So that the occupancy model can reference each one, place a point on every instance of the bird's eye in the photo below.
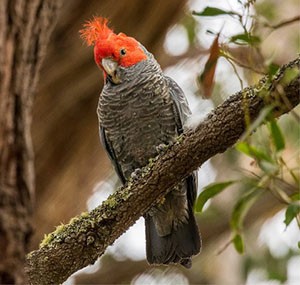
(122, 51)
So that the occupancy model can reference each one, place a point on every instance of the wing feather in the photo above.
(182, 110)
(182, 113)
(110, 151)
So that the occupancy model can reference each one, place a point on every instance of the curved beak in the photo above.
(110, 66)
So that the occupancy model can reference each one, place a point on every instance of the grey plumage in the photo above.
(145, 110)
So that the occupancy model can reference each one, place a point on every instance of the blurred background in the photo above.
(74, 173)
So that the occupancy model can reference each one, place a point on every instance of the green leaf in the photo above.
(291, 212)
(238, 243)
(244, 39)
(190, 24)
(210, 191)
(273, 68)
(299, 244)
(277, 136)
(212, 11)
(253, 152)
(241, 208)
(295, 197)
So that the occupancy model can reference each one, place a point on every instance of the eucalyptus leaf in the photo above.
(190, 25)
(246, 38)
(291, 212)
(277, 136)
(273, 69)
(238, 243)
(242, 207)
(209, 192)
(253, 151)
(212, 11)
(295, 197)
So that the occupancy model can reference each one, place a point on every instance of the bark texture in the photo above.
(86, 237)
(25, 27)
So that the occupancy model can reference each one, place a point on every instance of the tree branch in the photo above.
(75, 245)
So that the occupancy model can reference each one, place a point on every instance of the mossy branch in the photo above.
(81, 242)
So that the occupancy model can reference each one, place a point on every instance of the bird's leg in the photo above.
(161, 148)
(136, 174)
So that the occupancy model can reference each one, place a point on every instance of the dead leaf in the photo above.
(206, 78)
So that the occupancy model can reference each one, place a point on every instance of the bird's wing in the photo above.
(110, 151)
(182, 113)
(181, 106)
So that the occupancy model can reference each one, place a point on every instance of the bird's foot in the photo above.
(136, 173)
(161, 148)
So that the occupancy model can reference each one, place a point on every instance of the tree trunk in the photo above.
(25, 27)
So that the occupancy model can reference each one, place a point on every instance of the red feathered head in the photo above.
(124, 50)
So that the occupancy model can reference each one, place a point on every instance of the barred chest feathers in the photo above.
(137, 115)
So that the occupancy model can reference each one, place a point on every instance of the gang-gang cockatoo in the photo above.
(140, 109)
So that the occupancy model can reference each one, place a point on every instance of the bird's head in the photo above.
(111, 51)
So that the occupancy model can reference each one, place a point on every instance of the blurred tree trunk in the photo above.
(25, 27)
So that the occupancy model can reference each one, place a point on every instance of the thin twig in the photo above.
(236, 73)
(240, 64)
(284, 23)
(290, 171)
(224, 247)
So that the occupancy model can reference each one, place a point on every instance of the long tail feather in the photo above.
(176, 247)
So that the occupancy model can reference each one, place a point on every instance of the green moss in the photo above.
(110, 202)
(48, 238)
(74, 220)
(30, 255)
(77, 225)
(126, 194)
(60, 232)
(59, 229)
(85, 214)
(180, 138)
(151, 161)
(56, 235)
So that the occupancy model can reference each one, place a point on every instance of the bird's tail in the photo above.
(176, 247)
